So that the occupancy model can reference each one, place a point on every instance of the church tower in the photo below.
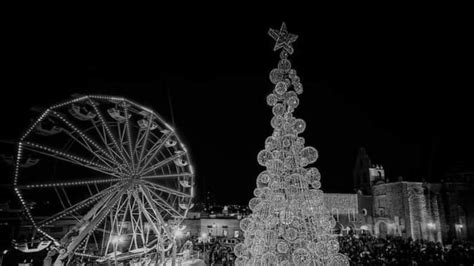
(366, 174)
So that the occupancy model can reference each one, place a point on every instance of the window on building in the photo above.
(209, 229)
(381, 212)
(224, 230)
(352, 215)
(364, 211)
(335, 213)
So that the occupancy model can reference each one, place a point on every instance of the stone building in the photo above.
(440, 211)
(408, 209)
(222, 226)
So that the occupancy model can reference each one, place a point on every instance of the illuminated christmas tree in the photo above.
(289, 224)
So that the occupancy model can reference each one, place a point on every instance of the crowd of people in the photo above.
(213, 250)
(365, 249)
(362, 249)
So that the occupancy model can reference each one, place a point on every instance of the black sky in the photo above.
(396, 84)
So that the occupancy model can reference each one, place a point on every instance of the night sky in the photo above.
(395, 84)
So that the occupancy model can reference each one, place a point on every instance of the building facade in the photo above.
(439, 212)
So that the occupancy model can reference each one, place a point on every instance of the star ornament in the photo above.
(283, 39)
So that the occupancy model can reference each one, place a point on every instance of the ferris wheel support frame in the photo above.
(92, 224)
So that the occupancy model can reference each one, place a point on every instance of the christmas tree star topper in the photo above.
(283, 39)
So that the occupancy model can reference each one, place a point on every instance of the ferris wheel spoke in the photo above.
(103, 230)
(101, 158)
(122, 205)
(129, 138)
(66, 196)
(84, 244)
(140, 226)
(105, 160)
(156, 213)
(109, 132)
(87, 141)
(99, 206)
(167, 176)
(138, 140)
(60, 198)
(166, 206)
(122, 144)
(94, 222)
(146, 171)
(153, 151)
(167, 190)
(103, 203)
(109, 236)
(104, 233)
(70, 183)
(78, 206)
(96, 242)
(115, 213)
(89, 189)
(136, 226)
(69, 158)
(145, 140)
(119, 133)
(103, 137)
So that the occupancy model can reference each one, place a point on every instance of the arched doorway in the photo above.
(383, 229)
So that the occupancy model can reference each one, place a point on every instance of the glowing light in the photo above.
(431, 225)
(178, 234)
(117, 239)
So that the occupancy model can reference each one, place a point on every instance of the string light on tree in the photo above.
(289, 224)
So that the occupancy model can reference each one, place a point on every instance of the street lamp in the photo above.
(3, 255)
(214, 225)
(115, 241)
(177, 233)
(458, 230)
(431, 225)
(204, 241)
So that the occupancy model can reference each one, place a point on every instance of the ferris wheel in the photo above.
(109, 167)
